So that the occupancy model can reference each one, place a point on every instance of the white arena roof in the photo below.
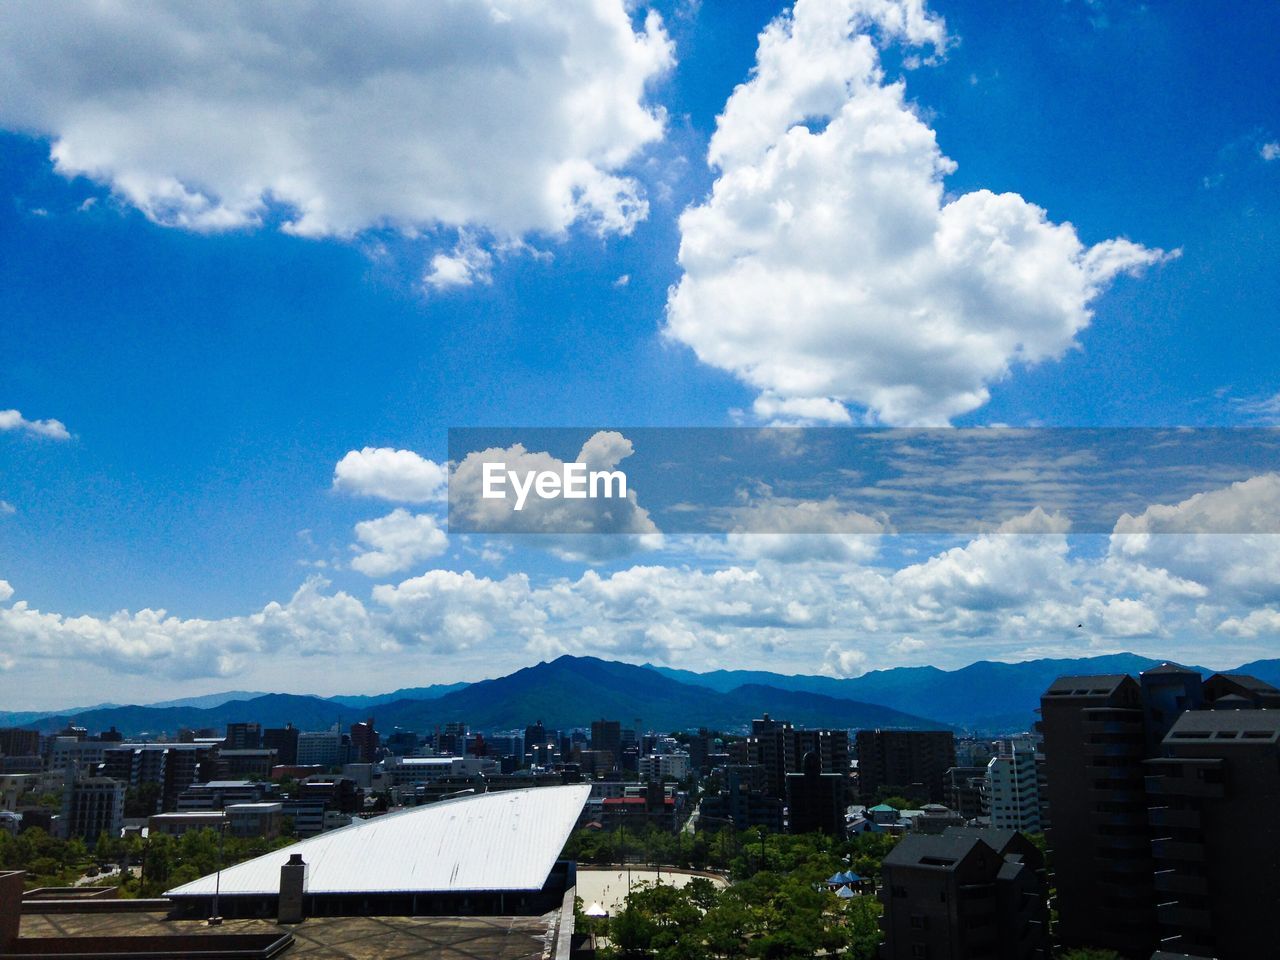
(507, 840)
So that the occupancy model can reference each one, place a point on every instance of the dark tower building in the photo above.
(1215, 837)
(915, 761)
(815, 800)
(1094, 745)
(243, 736)
(607, 735)
(284, 741)
(364, 742)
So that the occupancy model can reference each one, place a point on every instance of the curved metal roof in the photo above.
(507, 840)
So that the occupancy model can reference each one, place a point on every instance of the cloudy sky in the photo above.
(255, 261)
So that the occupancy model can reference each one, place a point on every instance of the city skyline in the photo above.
(245, 296)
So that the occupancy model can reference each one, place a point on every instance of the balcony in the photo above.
(1175, 882)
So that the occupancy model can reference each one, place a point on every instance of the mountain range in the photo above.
(569, 692)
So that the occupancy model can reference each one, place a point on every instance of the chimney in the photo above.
(293, 878)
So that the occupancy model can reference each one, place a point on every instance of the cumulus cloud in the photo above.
(1226, 536)
(48, 429)
(1270, 151)
(829, 267)
(6, 591)
(594, 528)
(468, 263)
(803, 531)
(397, 475)
(510, 117)
(396, 542)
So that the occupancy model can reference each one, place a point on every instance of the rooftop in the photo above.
(333, 938)
(489, 842)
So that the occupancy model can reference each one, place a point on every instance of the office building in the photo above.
(243, 736)
(323, 748)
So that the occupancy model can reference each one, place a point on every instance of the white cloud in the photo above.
(468, 264)
(396, 542)
(829, 267)
(843, 662)
(510, 116)
(397, 475)
(593, 528)
(1264, 622)
(7, 509)
(50, 429)
(1226, 537)
(1270, 151)
(6, 591)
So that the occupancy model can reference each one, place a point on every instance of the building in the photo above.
(364, 742)
(176, 824)
(664, 766)
(830, 746)
(243, 736)
(172, 767)
(656, 808)
(815, 800)
(772, 745)
(322, 748)
(1012, 791)
(219, 794)
(740, 804)
(1212, 799)
(966, 894)
(284, 741)
(255, 819)
(454, 857)
(16, 742)
(92, 806)
(240, 764)
(963, 789)
(1094, 745)
(914, 762)
(606, 735)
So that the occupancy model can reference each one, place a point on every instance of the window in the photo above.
(918, 922)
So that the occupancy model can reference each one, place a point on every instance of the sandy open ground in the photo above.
(608, 885)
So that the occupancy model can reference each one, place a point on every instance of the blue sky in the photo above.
(214, 354)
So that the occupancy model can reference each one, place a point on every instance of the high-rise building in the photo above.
(830, 746)
(965, 894)
(607, 735)
(815, 800)
(364, 742)
(284, 741)
(1214, 833)
(912, 761)
(1012, 790)
(172, 767)
(772, 745)
(1111, 778)
(243, 736)
(1094, 744)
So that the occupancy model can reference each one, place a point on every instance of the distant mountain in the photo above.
(405, 693)
(209, 699)
(987, 696)
(573, 691)
(271, 710)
